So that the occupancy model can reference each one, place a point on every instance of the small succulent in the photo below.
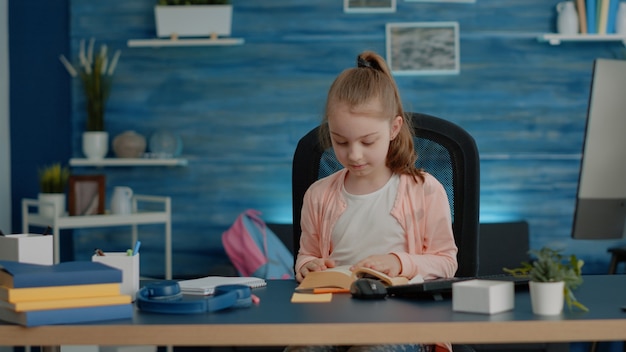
(551, 266)
(53, 178)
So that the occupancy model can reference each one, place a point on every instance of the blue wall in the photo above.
(241, 109)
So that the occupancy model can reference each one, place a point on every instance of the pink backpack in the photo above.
(255, 250)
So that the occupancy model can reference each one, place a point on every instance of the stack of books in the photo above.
(65, 293)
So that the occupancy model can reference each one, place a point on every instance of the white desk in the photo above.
(138, 217)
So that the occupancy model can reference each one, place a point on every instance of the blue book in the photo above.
(591, 17)
(21, 275)
(68, 315)
(610, 25)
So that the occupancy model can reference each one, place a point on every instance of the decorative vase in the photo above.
(52, 204)
(129, 145)
(567, 19)
(165, 144)
(121, 202)
(547, 298)
(620, 19)
(95, 144)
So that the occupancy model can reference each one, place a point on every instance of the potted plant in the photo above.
(193, 18)
(551, 271)
(52, 184)
(96, 73)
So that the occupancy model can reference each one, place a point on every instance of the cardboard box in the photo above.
(483, 296)
(27, 248)
(128, 264)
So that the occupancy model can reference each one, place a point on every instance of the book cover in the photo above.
(66, 303)
(612, 17)
(67, 315)
(582, 15)
(21, 275)
(206, 285)
(14, 295)
(591, 16)
(603, 16)
(342, 277)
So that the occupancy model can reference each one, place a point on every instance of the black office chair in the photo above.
(445, 150)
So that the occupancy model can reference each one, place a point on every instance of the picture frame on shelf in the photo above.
(86, 195)
(369, 6)
(423, 48)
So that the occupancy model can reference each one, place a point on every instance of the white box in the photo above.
(128, 264)
(483, 296)
(27, 248)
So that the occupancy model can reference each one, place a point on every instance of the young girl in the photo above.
(379, 211)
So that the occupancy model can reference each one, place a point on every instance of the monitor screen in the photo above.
(600, 211)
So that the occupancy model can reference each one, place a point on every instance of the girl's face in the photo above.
(360, 139)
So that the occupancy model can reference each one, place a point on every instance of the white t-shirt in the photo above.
(367, 227)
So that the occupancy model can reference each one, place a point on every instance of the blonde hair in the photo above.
(372, 80)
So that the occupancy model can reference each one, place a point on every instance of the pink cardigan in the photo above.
(421, 208)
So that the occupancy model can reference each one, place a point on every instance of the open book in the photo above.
(342, 277)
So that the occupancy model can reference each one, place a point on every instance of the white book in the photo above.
(207, 285)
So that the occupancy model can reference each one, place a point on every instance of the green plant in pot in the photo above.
(52, 185)
(96, 73)
(550, 266)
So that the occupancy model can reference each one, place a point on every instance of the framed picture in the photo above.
(369, 6)
(86, 194)
(423, 48)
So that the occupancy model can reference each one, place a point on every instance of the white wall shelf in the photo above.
(137, 217)
(128, 162)
(155, 43)
(556, 39)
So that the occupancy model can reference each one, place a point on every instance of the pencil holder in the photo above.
(128, 264)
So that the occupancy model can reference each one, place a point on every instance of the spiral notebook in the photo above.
(207, 285)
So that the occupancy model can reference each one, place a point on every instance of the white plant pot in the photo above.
(51, 204)
(95, 144)
(547, 298)
(193, 20)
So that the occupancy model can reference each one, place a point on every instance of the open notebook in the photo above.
(207, 285)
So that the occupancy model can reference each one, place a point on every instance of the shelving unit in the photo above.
(128, 162)
(556, 39)
(155, 43)
(137, 217)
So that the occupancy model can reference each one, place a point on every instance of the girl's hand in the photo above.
(314, 265)
(387, 263)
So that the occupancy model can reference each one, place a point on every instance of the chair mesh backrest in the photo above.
(444, 149)
(437, 162)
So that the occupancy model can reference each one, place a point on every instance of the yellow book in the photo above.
(15, 295)
(603, 16)
(342, 277)
(66, 303)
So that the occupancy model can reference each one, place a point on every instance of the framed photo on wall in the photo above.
(86, 194)
(423, 48)
(369, 6)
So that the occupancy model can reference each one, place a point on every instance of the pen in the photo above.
(255, 299)
(331, 290)
(137, 245)
(45, 233)
(99, 252)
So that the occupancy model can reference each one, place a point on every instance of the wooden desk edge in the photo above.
(285, 334)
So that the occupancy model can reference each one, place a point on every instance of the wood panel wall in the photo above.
(240, 111)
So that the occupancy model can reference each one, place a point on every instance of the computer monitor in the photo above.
(600, 211)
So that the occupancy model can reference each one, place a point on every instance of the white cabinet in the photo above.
(138, 216)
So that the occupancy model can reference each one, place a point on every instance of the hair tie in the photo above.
(360, 62)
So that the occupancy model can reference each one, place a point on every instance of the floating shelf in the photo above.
(556, 39)
(128, 162)
(155, 43)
